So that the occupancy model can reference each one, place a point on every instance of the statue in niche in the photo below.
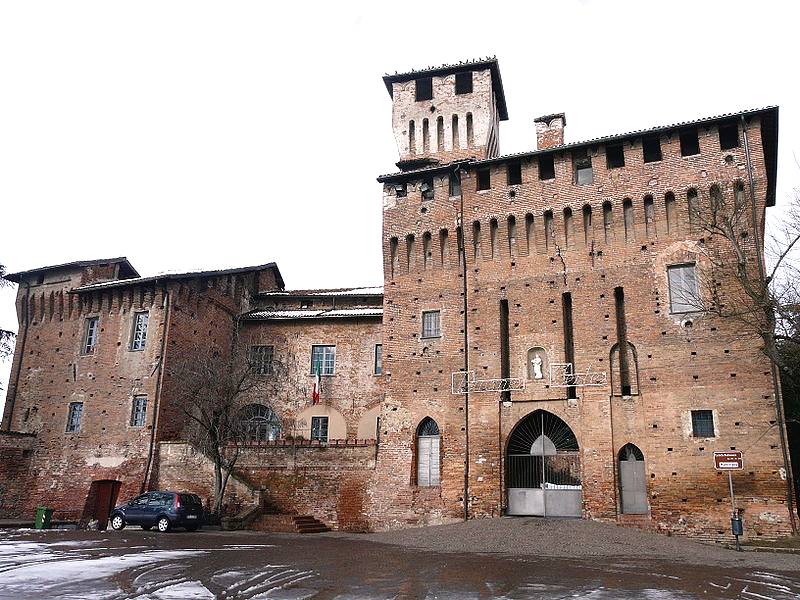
(536, 362)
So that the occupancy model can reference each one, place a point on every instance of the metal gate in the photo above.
(543, 469)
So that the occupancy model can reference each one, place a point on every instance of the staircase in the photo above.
(308, 524)
(282, 523)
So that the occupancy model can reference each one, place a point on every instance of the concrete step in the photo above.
(308, 524)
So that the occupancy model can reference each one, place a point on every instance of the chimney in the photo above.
(550, 130)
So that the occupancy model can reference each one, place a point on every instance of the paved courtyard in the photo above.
(500, 558)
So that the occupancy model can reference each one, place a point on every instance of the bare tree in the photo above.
(210, 387)
(6, 337)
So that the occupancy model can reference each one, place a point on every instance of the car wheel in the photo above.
(164, 525)
(117, 523)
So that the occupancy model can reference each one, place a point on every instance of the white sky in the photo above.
(202, 135)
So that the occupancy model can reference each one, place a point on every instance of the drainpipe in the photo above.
(159, 384)
(776, 380)
(26, 319)
(457, 173)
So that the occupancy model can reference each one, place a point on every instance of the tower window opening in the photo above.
(690, 144)
(464, 83)
(651, 149)
(547, 168)
(728, 135)
(615, 156)
(484, 179)
(424, 89)
(514, 173)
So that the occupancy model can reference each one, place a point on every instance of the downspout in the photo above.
(157, 400)
(776, 380)
(463, 254)
(26, 319)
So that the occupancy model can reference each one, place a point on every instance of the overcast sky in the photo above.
(191, 135)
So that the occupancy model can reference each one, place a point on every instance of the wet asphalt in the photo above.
(249, 565)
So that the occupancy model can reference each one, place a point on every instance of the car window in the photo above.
(190, 500)
(141, 500)
(160, 500)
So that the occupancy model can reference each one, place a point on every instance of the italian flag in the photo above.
(316, 388)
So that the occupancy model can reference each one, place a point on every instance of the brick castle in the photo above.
(538, 346)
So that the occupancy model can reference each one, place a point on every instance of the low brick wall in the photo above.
(16, 450)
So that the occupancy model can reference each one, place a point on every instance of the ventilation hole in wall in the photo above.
(477, 328)
(772, 422)
(652, 475)
(649, 356)
(702, 448)
(606, 316)
(733, 374)
(663, 333)
(512, 194)
(674, 473)
(652, 379)
(554, 321)
(657, 311)
(475, 270)
(418, 372)
(415, 391)
(552, 301)
(713, 329)
(605, 337)
(766, 372)
(772, 447)
(602, 296)
(695, 377)
(527, 285)
(419, 280)
(669, 449)
(644, 248)
(513, 264)
(423, 210)
(440, 371)
(516, 324)
(737, 423)
(655, 426)
(435, 389)
(693, 353)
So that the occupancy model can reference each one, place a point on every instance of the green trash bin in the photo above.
(43, 517)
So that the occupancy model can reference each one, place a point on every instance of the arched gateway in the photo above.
(543, 468)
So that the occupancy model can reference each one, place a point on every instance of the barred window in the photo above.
(74, 417)
(319, 429)
(139, 334)
(378, 359)
(431, 326)
(323, 359)
(261, 359)
(702, 423)
(139, 411)
(684, 295)
(90, 338)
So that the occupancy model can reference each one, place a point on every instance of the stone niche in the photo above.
(538, 365)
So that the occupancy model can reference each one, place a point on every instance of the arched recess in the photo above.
(632, 481)
(543, 470)
(428, 445)
(313, 420)
(368, 424)
(259, 423)
(624, 374)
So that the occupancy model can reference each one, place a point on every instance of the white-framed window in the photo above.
(684, 292)
(90, 334)
(261, 359)
(139, 411)
(703, 423)
(319, 429)
(428, 443)
(431, 324)
(74, 417)
(378, 359)
(323, 360)
(139, 332)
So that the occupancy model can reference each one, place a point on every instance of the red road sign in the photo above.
(729, 461)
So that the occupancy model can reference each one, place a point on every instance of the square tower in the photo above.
(446, 113)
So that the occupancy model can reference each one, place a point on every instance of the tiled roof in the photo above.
(490, 62)
(354, 291)
(303, 313)
(77, 264)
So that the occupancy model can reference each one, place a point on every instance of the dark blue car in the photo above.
(163, 510)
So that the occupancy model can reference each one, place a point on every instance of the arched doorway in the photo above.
(428, 438)
(543, 468)
(632, 482)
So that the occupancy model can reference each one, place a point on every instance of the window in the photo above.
(514, 173)
(424, 89)
(651, 149)
(259, 424)
(702, 423)
(583, 169)
(547, 168)
(323, 359)
(74, 417)
(690, 144)
(484, 179)
(428, 441)
(684, 295)
(378, 359)
(306, 303)
(261, 359)
(139, 334)
(431, 325)
(400, 190)
(455, 185)
(427, 189)
(319, 429)
(615, 156)
(728, 135)
(90, 338)
(139, 411)
(464, 83)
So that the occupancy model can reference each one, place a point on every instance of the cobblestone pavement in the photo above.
(485, 559)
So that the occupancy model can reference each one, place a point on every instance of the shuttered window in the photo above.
(684, 294)
(428, 439)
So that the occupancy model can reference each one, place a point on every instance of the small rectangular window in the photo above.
(306, 303)
(323, 360)
(684, 294)
(583, 169)
(261, 359)
(702, 423)
(431, 325)
(378, 359)
(74, 417)
(139, 411)
(728, 135)
(426, 188)
(484, 179)
(615, 156)
(90, 337)
(319, 429)
(464, 83)
(455, 185)
(547, 168)
(514, 173)
(400, 190)
(690, 144)
(424, 89)
(139, 334)
(651, 148)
